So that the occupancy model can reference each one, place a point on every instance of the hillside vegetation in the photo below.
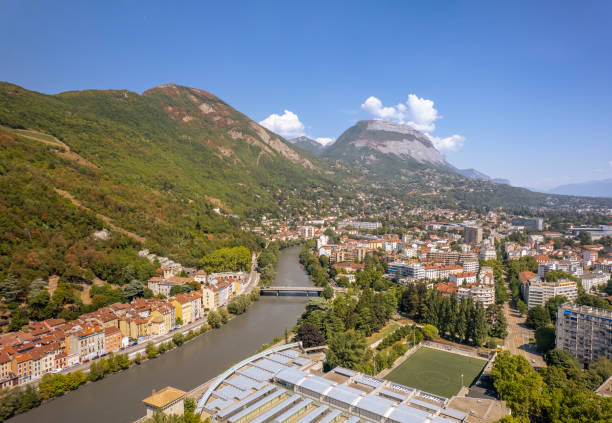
(150, 168)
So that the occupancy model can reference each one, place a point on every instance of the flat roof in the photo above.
(279, 358)
(424, 404)
(291, 375)
(344, 394)
(164, 397)
(255, 406)
(269, 365)
(308, 418)
(375, 404)
(223, 414)
(256, 373)
(293, 410)
(331, 416)
(405, 414)
(276, 409)
(316, 384)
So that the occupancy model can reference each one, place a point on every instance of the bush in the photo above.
(151, 350)
(178, 339)
(239, 304)
(430, 332)
(224, 315)
(214, 319)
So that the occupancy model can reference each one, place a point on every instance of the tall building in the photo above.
(536, 292)
(536, 223)
(472, 235)
(584, 331)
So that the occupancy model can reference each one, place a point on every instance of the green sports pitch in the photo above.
(437, 372)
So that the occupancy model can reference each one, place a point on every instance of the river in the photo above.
(117, 398)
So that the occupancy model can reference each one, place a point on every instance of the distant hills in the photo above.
(474, 174)
(600, 188)
(308, 144)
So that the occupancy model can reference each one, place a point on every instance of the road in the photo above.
(517, 341)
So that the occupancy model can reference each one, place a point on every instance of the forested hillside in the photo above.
(149, 168)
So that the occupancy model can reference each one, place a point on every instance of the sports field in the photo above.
(437, 372)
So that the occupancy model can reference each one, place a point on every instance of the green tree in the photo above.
(134, 289)
(348, 349)
(518, 384)
(178, 339)
(537, 317)
(151, 350)
(553, 304)
(328, 292)
(223, 315)
(227, 260)
(545, 338)
(430, 332)
(214, 319)
(10, 289)
(561, 358)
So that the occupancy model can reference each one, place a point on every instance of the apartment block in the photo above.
(472, 235)
(537, 292)
(584, 331)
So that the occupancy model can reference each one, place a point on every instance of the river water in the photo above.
(117, 398)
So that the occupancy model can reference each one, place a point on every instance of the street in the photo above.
(517, 341)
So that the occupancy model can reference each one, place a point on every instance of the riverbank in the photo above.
(118, 396)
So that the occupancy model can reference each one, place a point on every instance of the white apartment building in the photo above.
(590, 280)
(470, 266)
(536, 292)
(480, 293)
(463, 278)
(487, 254)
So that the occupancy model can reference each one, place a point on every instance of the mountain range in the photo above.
(168, 168)
(308, 144)
(600, 188)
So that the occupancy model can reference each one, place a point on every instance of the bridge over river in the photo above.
(291, 290)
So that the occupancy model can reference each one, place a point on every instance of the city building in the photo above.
(591, 280)
(368, 226)
(479, 293)
(536, 292)
(584, 331)
(168, 401)
(472, 235)
(535, 223)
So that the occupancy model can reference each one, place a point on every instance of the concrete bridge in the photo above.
(291, 290)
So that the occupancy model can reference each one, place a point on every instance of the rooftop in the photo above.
(164, 397)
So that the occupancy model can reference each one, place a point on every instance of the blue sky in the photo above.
(525, 85)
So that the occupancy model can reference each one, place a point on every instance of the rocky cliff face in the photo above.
(373, 141)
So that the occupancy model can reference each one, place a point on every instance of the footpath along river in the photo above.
(117, 398)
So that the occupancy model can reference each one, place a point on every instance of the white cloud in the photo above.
(417, 112)
(420, 114)
(324, 140)
(452, 143)
(288, 124)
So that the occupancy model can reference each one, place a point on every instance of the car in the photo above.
(533, 360)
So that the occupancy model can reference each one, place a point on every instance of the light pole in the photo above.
(462, 380)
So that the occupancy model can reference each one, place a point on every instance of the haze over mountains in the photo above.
(601, 188)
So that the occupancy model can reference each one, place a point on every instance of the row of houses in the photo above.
(54, 345)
